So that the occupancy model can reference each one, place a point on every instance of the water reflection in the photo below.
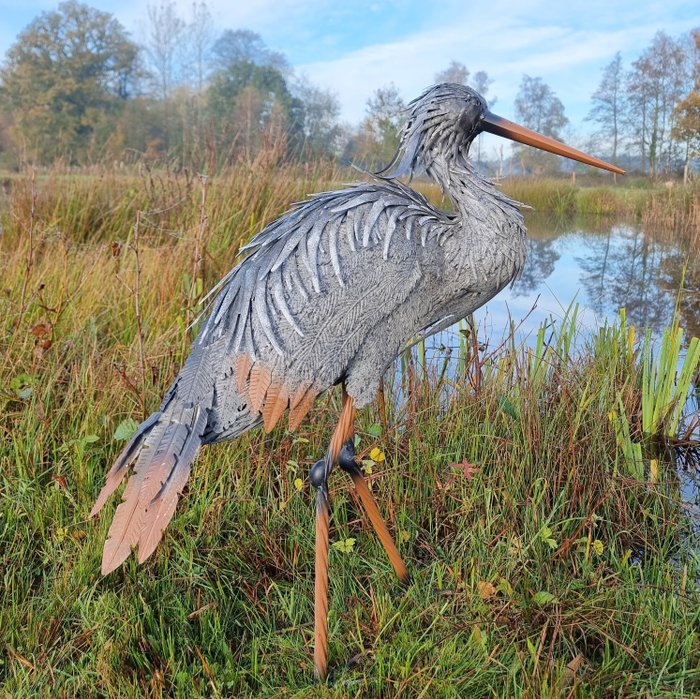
(602, 267)
(542, 259)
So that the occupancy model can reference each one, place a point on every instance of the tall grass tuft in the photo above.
(665, 387)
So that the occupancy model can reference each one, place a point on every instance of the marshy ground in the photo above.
(550, 549)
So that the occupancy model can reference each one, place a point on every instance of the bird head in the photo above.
(445, 120)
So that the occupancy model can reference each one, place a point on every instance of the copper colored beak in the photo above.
(502, 127)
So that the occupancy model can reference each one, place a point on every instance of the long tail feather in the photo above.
(124, 461)
(128, 519)
(161, 507)
(161, 453)
(150, 497)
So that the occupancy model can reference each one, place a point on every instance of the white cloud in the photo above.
(569, 57)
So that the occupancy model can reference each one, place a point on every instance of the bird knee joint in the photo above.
(318, 474)
(346, 457)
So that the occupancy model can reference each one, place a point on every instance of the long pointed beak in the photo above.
(502, 127)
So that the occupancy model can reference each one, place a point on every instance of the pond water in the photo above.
(601, 266)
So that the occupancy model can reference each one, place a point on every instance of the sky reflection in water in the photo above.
(601, 269)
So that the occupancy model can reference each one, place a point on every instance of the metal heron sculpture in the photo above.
(331, 293)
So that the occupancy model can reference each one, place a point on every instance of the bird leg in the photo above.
(321, 583)
(341, 451)
(319, 479)
(346, 461)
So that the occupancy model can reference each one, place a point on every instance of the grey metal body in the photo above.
(330, 292)
(383, 278)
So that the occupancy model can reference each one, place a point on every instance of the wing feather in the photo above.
(262, 313)
(243, 367)
(301, 404)
(278, 296)
(286, 263)
(276, 402)
(333, 250)
(260, 377)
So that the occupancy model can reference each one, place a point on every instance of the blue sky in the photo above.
(355, 47)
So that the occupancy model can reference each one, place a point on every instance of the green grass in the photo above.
(675, 208)
(670, 211)
(563, 566)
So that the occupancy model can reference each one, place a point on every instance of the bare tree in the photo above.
(386, 112)
(163, 44)
(456, 72)
(538, 108)
(608, 102)
(200, 33)
(695, 57)
(377, 138)
(321, 112)
(481, 83)
(656, 84)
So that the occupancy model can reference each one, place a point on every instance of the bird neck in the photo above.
(459, 180)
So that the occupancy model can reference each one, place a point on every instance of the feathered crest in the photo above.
(444, 117)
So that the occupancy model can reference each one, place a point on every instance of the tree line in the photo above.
(646, 118)
(76, 88)
(648, 115)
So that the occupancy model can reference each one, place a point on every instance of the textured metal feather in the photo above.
(124, 461)
(249, 341)
(196, 379)
(243, 366)
(276, 402)
(263, 315)
(260, 377)
(313, 241)
(333, 251)
(371, 220)
(277, 410)
(389, 232)
(292, 243)
(241, 325)
(161, 506)
(192, 393)
(296, 283)
(367, 196)
(353, 227)
(227, 298)
(281, 302)
(301, 404)
(126, 526)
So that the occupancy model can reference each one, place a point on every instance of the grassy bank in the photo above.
(549, 554)
(670, 210)
(655, 205)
